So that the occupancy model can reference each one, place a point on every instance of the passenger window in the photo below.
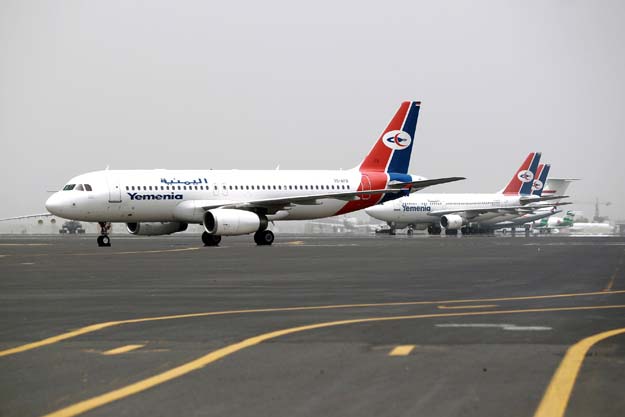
(127, 188)
(150, 188)
(133, 188)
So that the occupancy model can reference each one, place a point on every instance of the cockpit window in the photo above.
(88, 187)
(69, 187)
(79, 187)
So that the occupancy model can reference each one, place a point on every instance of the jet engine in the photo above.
(453, 221)
(232, 222)
(155, 229)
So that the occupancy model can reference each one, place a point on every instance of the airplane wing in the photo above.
(272, 205)
(475, 212)
(423, 183)
(30, 216)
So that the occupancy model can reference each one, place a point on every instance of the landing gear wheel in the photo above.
(264, 238)
(451, 232)
(409, 232)
(210, 240)
(434, 230)
(104, 241)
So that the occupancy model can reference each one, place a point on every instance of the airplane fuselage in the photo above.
(170, 195)
(419, 208)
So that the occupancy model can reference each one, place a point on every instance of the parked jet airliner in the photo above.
(227, 203)
(464, 211)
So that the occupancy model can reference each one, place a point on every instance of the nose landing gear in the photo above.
(103, 239)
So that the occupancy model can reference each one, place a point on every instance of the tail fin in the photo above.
(557, 186)
(522, 180)
(391, 153)
(541, 179)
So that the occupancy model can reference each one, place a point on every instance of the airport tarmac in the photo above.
(312, 326)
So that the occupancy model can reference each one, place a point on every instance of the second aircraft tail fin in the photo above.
(541, 179)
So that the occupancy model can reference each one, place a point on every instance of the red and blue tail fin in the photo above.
(541, 179)
(391, 153)
(522, 180)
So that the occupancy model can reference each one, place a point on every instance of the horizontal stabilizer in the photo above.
(423, 183)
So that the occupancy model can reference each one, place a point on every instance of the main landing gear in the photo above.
(103, 239)
(264, 238)
(434, 230)
(210, 240)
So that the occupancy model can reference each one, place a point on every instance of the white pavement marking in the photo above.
(512, 327)
(123, 349)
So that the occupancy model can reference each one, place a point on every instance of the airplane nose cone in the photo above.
(374, 211)
(53, 204)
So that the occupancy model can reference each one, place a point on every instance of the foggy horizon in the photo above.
(185, 85)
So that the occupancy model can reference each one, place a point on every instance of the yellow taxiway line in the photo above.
(464, 307)
(402, 350)
(558, 392)
(100, 326)
(177, 372)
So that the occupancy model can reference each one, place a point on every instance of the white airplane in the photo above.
(593, 228)
(228, 203)
(466, 211)
(554, 223)
(347, 224)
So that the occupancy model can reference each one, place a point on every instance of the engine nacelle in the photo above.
(232, 222)
(453, 221)
(155, 229)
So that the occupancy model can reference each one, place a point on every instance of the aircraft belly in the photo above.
(327, 208)
(416, 217)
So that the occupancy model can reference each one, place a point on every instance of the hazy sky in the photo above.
(200, 84)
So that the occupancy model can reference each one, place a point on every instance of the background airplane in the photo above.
(465, 211)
